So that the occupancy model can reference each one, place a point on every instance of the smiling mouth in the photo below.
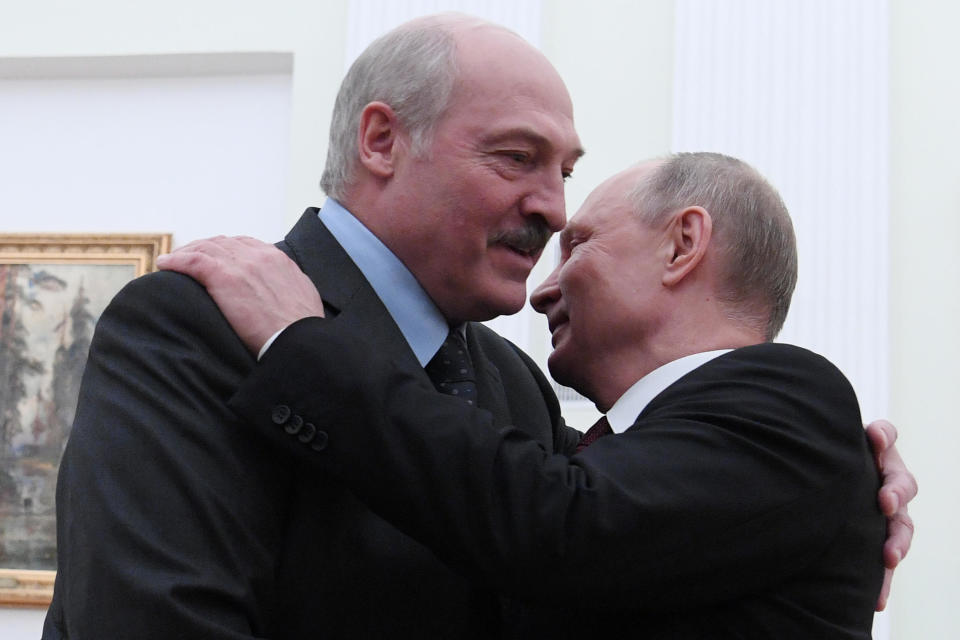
(555, 324)
(526, 252)
(553, 333)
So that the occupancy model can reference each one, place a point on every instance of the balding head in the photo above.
(752, 231)
(414, 69)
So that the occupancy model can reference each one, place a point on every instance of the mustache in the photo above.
(531, 238)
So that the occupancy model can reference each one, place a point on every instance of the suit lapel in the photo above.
(490, 392)
(344, 289)
(324, 261)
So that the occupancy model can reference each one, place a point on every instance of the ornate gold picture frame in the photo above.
(53, 288)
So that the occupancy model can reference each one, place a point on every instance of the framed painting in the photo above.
(53, 288)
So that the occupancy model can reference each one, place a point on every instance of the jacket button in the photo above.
(281, 413)
(308, 432)
(319, 441)
(293, 427)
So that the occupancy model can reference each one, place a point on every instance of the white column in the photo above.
(799, 89)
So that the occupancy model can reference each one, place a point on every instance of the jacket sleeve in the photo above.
(754, 477)
(168, 513)
(565, 438)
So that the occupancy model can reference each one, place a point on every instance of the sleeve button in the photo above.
(319, 441)
(293, 427)
(306, 435)
(281, 413)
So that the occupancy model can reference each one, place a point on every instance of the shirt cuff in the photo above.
(266, 345)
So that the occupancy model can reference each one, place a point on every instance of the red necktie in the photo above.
(598, 430)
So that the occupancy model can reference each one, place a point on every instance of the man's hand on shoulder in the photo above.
(898, 489)
(257, 287)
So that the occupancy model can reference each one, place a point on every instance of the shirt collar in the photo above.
(624, 411)
(419, 319)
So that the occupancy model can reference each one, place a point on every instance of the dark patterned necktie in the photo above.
(451, 370)
(600, 428)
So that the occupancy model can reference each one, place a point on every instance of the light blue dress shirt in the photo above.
(418, 318)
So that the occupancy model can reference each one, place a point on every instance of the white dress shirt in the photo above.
(624, 411)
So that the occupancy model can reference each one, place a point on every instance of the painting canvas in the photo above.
(52, 292)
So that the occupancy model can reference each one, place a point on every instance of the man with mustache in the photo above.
(450, 141)
(738, 496)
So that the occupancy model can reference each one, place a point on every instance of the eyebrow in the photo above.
(530, 135)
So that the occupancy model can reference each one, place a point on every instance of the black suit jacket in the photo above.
(741, 504)
(178, 520)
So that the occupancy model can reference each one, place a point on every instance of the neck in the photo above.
(676, 336)
(360, 200)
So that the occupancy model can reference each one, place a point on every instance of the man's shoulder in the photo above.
(767, 383)
(303, 232)
(776, 350)
(171, 309)
(780, 361)
(163, 293)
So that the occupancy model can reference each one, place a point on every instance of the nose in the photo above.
(547, 294)
(547, 201)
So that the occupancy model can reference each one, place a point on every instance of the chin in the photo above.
(495, 312)
(482, 311)
(505, 305)
(567, 369)
(560, 370)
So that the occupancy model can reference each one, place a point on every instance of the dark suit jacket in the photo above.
(741, 504)
(177, 520)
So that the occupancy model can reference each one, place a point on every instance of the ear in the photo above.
(689, 236)
(379, 139)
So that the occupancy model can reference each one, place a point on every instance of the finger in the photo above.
(884, 590)
(889, 501)
(900, 532)
(899, 485)
(224, 249)
(253, 242)
(203, 245)
(882, 435)
(899, 488)
(886, 427)
(240, 250)
(199, 242)
(197, 264)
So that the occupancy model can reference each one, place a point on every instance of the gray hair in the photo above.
(413, 69)
(750, 221)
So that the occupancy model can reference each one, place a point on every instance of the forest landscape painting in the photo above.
(50, 301)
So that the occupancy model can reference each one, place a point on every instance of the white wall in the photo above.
(799, 89)
(617, 57)
(98, 151)
(312, 32)
(925, 304)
